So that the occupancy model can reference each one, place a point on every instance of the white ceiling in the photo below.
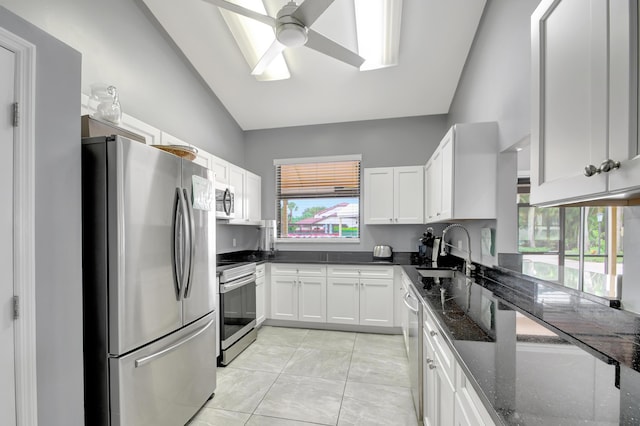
(435, 40)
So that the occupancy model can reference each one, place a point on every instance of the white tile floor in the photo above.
(297, 377)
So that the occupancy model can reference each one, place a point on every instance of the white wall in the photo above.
(122, 44)
(392, 142)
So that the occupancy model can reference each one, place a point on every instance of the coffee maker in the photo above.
(429, 249)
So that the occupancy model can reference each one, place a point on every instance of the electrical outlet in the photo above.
(234, 242)
(459, 244)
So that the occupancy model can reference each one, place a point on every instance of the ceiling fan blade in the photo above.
(329, 47)
(310, 10)
(244, 11)
(274, 50)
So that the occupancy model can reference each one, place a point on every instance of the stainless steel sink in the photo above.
(437, 272)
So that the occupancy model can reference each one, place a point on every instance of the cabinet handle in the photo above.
(591, 170)
(390, 219)
(608, 165)
(605, 167)
(433, 333)
(432, 366)
(429, 361)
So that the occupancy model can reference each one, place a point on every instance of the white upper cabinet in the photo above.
(248, 193)
(461, 175)
(584, 141)
(394, 195)
(222, 169)
(253, 200)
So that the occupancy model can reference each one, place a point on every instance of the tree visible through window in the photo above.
(318, 198)
(578, 247)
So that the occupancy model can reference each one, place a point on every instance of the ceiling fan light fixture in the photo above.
(254, 38)
(291, 34)
(378, 24)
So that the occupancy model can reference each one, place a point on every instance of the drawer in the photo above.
(260, 270)
(440, 346)
(360, 271)
(298, 269)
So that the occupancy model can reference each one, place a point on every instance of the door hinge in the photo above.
(16, 114)
(16, 307)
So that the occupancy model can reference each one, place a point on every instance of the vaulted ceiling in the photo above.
(436, 36)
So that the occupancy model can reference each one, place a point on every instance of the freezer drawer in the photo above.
(167, 382)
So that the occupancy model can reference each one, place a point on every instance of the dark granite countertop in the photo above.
(537, 354)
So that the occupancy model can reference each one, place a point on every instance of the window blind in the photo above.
(318, 180)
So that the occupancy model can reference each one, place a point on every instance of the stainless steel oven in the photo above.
(237, 309)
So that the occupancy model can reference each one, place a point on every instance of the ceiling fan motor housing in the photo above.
(289, 30)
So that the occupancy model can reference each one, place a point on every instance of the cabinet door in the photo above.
(376, 302)
(378, 196)
(253, 197)
(569, 98)
(624, 70)
(469, 410)
(428, 383)
(434, 186)
(343, 300)
(260, 300)
(284, 297)
(221, 168)
(408, 191)
(237, 179)
(444, 394)
(312, 299)
(447, 172)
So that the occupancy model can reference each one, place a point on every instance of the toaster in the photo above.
(382, 253)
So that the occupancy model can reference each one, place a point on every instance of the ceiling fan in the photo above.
(291, 26)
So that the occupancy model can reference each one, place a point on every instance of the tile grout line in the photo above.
(274, 382)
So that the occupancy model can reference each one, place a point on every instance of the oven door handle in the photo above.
(225, 288)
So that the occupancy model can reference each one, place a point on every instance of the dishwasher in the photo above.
(414, 344)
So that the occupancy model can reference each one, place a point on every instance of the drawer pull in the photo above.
(433, 333)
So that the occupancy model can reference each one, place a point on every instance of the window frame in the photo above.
(313, 160)
(561, 253)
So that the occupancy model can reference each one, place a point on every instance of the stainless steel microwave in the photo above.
(225, 201)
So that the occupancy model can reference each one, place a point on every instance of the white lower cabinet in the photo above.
(299, 292)
(260, 294)
(360, 295)
(448, 398)
(439, 387)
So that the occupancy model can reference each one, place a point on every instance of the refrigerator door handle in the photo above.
(185, 242)
(176, 249)
(150, 358)
(192, 244)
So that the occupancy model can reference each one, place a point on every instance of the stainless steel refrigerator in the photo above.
(149, 284)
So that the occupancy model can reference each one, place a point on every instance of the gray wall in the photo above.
(121, 44)
(382, 143)
(58, 277)
(495, 86)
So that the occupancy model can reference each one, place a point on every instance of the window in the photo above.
(578, 247)
(318, 198)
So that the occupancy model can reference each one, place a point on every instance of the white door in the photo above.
(343, 300)
(408, 190)
(376, 302)
(378, 196)
(7, 363)
(284, 297)
(312, 299)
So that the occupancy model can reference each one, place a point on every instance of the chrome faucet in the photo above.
(443, 247)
